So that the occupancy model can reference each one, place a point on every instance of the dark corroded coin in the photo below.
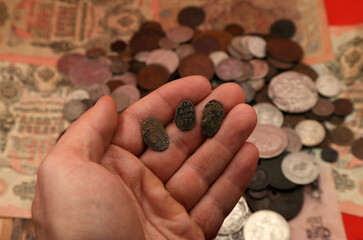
(343, 107)
(191, 16)
(260, 179)
(257, 194)
(342, 136)
(357, 148)
(283, 28)
(185, 116)
(329, 155)
(154, 134)
(118, 46)
(212, 118)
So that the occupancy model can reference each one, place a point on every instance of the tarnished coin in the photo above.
(229, 69)
(260, 68)
(256, 46)
(191, 16)
(342, 136)
(218, 56)
(130, 91)
(196, 64)
(165, 58)
(96, 91)
(180, 34)
(284, 49)
(257, 194)
(270, 140)
(323, 108)
(300, 168)
(294, 140)
(185, 115)
(328, 85)
(206, 44)
(234, 29)
(288, 97)
(73, 110)
(343, 107)
(311, 132)
(357, 148)
(283, 28)
(122, 101)
(265, 223)
(329, 155)
(250, 93)
(212, 117)
(78, 94)
(67, 61)
(154, 134)
(260, 179)
(268, 114)
(152, 76)
(118, 46)
(184, 51)
(306, 69)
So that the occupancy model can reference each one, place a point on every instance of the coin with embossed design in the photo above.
(212, 117)
(185, 115)
(154, 134)
(311, 132)
(268, 114)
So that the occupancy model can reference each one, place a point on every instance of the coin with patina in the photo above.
(212, 117)
(357, 148)
(266, 223)
(294, 140)
(311, 132)
(270, 140)
(293, 92)
(196, 64)
(343, 107)
(300, 168)
(185, 115)
(268, 114)
(260, 179)
(206, 44)
(342, 136)
(328, 85)
(154, 134)
(328, 154)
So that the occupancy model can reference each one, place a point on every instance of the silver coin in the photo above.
(184, 50)
(96, 91)
(247, 72)
(250, 93)
(311, 132)
(300, 168)
(238, 48)
(78, 94)
(266, 225)
(257, 84)
(328, 85)
(141, 56)
(73, 110)
(218, 56)
(293, 92)
(294, 141)
(257, 46)
(260, 68)
(235, 236)
(122, 100)
(268, 114)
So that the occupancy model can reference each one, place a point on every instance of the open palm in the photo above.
(101, 181)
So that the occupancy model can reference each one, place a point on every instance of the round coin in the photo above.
(328, 85)
(196, 64)
(191, 16)
(329, 155)
(152, 76)
(256, 46)
(357, 148)
(154, 134)
(180, 34)
(184, 51)
(78, 94)
(342, 136)
(260, 179)
(67, 61)
(257, 84)
(268, 114)
(122, 100)
(294, 140)
(266, 223)
(260, 68)
(343, 107)
(306, 69)
(73, 110)
(165, 58)
(130, 91)
(218, 56)
(128, 78)
(284, 49)
(234, 29)
(311, 132)
(206, 44)
(229, 69)
(283, 28)
(248, 90)
(96, 91)
(323, 108)
(166, 43)
(257, 194)
(118, 46)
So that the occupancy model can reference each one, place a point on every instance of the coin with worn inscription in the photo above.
(294, 140)
(300, 168)
(154, 134)
(270, 140)
(328, 85)
(343, 106)
(212, 117)
(266, 223)
(328, 154)
(229, 69)
(268, 114)
(260, 179)
(73, 110)
(311, 132)
(342, 136)
(357, 148)
(185, 115)
(293, 92)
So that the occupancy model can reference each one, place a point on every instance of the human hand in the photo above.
(100, 181)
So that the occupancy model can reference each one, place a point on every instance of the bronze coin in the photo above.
(223, 37)
(126, 55)
(283, 28)
(95, 52)
(185, 115)
(262, 96)
(342, 136)
(166, 43)
(118, 46)
(212, 118)
(291, 120)
(284, 50)
(234, 29)
(191, 16)
(145, 41)
(343, 107)
(165, 57)
(279, 64)
(336, 120)
(306, 69)
(196, 64)
(152, 76)
(206, 45)
(154, 134)
(329, 155)
(260, 179)
(323, 108)
(113, 84)
(357, 148)
(151, 27)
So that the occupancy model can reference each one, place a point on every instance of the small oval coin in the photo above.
(311, 132)
(328, 85)
(212, 118)
(265, 223)
(300, 168)
(185, 115)
(268, 114)
(154, 134)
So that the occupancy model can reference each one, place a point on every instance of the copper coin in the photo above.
(142, 56)
(336, 120)
(279, 64)
(118, 46)
(234, 29)
(212, 117)
(154, 134)
(311, 132)
(329, 155)
(260, 68)
(294, 140)
(229, 69)
(180, 34)
(323, 108)
(284, 49)
(95, 52)
(262, 96)
(357, 148)
(206, 45)
(65, 63)
(164, 57)
(122, 101)
(270, 140)
(142, 41)
(248, 90)
(136, 66)
(184, 51)
(342, 136)
(291, 120)
(166, 43)
(126, 78)
(126, 55)
(343, 107)
(196, 64)
(223, 37)
(113, 84)
(306, 69)
(328, 85)
(283, 28)
(130, 91)
(185, 115)
(152, 76)
(151, 27)
(191, 16)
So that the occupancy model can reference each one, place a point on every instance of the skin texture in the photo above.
(100, 181)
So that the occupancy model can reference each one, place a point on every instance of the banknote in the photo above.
(256, 16)
(16, 229)
(31, 105)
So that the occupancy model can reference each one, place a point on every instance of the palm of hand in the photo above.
(112, 188)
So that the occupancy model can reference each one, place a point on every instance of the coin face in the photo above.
(260, 68)
(288, 97)
(266, 223)
(283, 28)
(300, 168)
(196, 64)
(270, 140)
(165, 58)
(218, 56)
(260, 179)
(357, 148)
(311, 132)
(284, 49)
(185, 115)
(323, 108)
(152, 76)
(212, 118)
(343, 107)
(96, 91)
(342, 136)
(329, 155)
(229, 69)
(191, 16)
(154, 134)
(294, 140)
(328, 85)
(256, 46)
(268, 114)
(257, 194)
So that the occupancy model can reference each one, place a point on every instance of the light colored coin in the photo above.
(294, 140)
(260, 68)
(141, 56)
(238, 48)
(293, 92)
(328, 85)
(78, 94)
(257, 46)
(266, 225)
(250, 93)
(98, 90)
(131, 91)
(268, 114)
(311, 132)
(184, 50)
(122, 100)
(128, 78)
(257, 84)
(229, 69)
(247, 72)
(73, 110)
(218, 56)
(300, 168)
(270, 140)
(180, 34)
(165, 58)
